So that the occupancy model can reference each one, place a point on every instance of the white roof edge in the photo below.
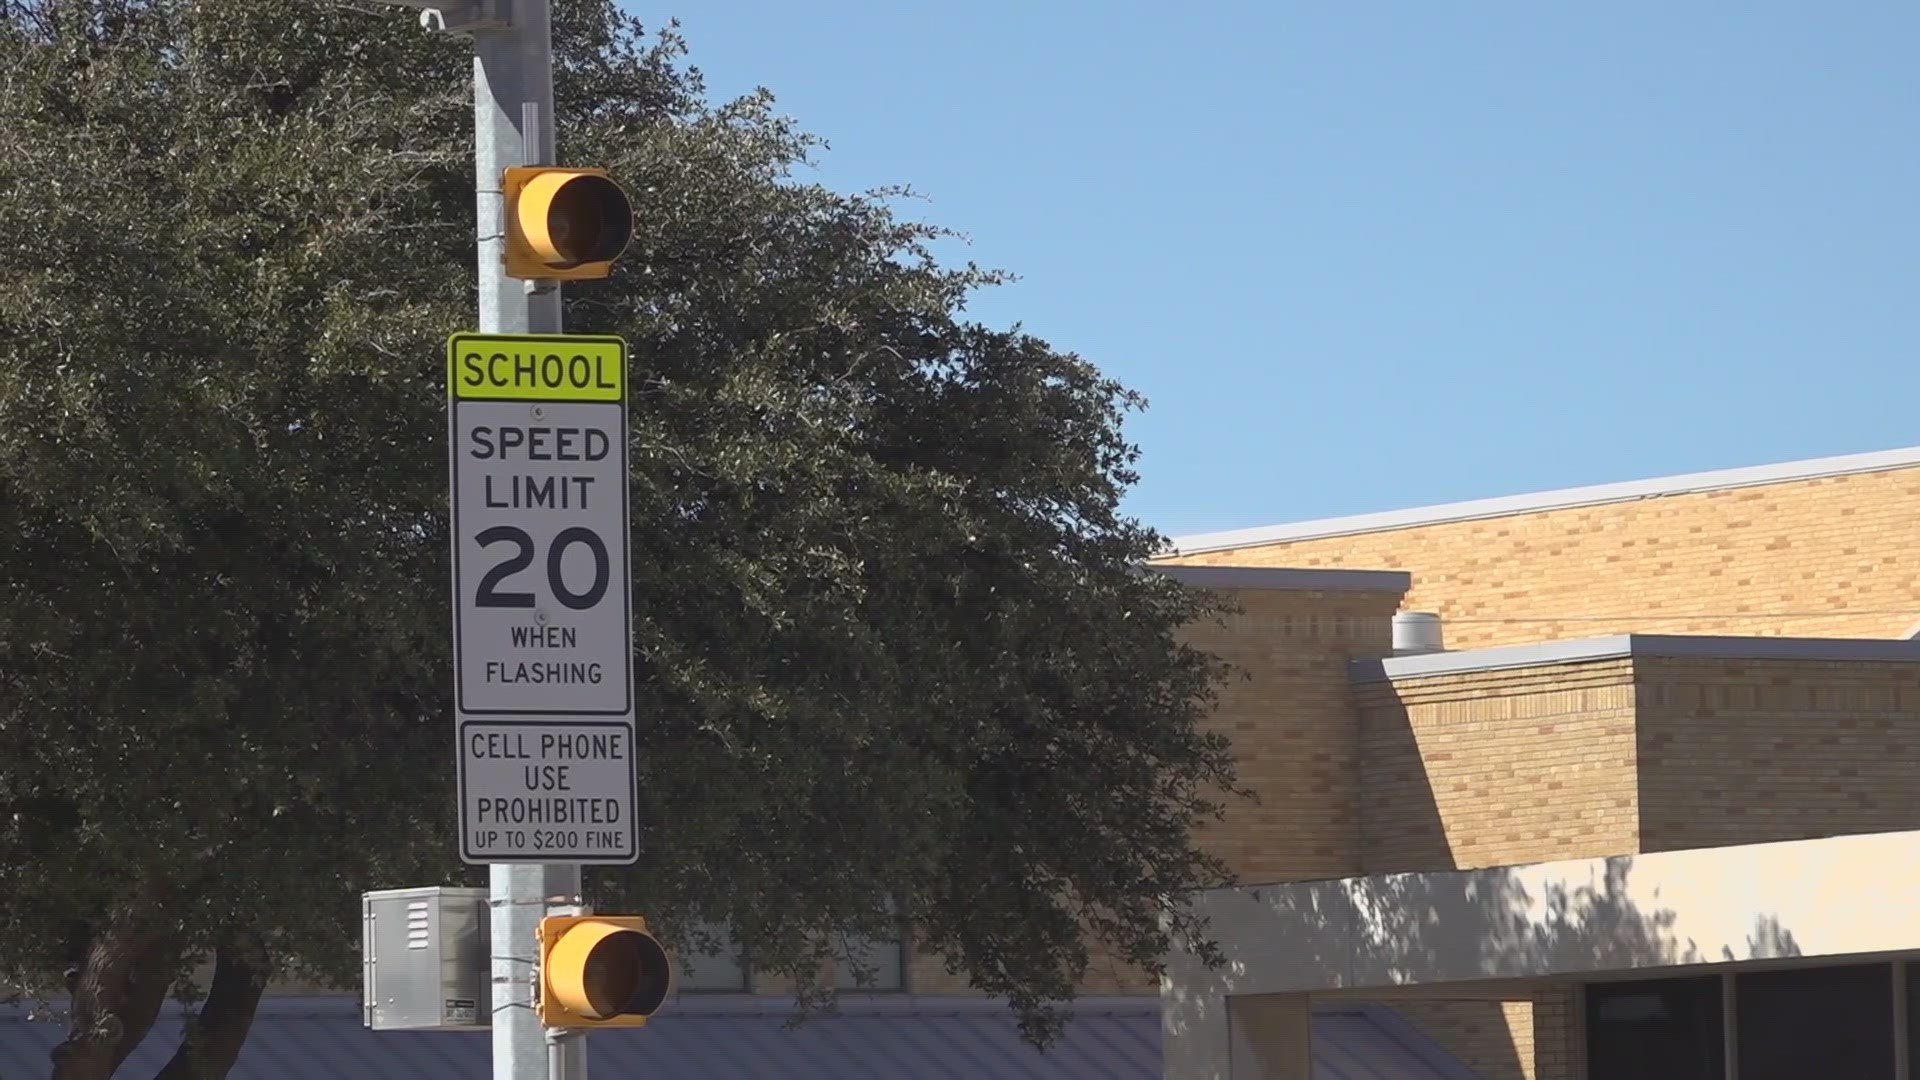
(1561, 499)
(1672, 646)
(1498, 658)
(1266, 577)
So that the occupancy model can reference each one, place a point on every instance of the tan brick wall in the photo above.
(1289, 711)
(1496, 768)
(1749, 751)
(1739, 561)
(1510, 767)
(1493, 1038)
(1556, 1034)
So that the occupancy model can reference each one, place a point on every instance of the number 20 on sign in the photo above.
(543, 683)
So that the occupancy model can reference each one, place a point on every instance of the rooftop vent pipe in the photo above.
(1416, 632)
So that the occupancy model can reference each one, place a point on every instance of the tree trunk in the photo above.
(241, 968)
(115, 1000)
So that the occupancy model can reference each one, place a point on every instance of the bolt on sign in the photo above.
(543, 638)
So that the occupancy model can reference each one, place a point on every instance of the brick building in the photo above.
(1652, 812)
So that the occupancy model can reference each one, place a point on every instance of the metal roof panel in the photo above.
(701, 1038)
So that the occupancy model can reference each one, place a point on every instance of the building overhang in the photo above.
(1828, 897)
(1285, 578)
(1633, 646)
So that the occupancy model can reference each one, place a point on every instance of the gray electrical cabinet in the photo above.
(424, 960)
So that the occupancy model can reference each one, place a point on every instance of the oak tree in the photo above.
(897, 664)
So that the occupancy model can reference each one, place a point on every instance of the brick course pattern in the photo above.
(1556, 1034)
(1740, 561)
(1493, 1038)
(1289, 710)
(1497, 768)
(1751, 751)
(1617, 757)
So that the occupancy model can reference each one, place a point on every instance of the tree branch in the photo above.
(241, 968)
(116, 999)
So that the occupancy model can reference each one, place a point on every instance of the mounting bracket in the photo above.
(461, 16)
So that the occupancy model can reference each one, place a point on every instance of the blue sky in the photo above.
(1368, 256)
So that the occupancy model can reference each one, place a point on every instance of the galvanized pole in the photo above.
(513, 125)
(512, 83)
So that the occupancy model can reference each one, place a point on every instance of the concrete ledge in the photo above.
(1262, 577)
(1675, 646)
(1830, 897)
(1561, 499)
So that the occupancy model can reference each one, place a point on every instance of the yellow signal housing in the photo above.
(564, 224)
(600, 971)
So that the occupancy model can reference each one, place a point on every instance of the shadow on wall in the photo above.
(1494, 924)
(1490, 1038)
(1400, 824)
(1425, 931)
(1407, 930)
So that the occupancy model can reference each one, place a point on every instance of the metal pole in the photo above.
(519, 895)
(513, 83)
(512, 69)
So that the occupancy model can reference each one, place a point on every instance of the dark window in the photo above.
(1664, 1029)
(1913, 1018)
(1816, 1022)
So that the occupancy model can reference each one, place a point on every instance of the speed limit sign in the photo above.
(543, 654)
